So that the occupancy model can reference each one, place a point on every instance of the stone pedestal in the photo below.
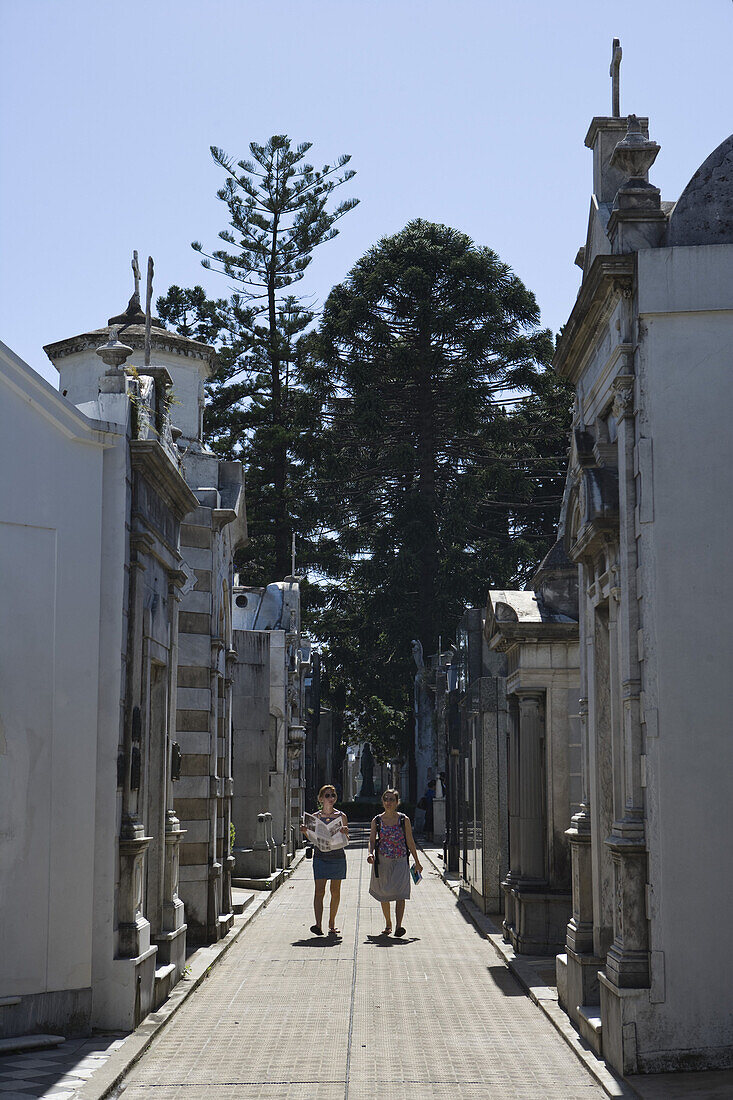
(438, 820)
(172, 940)
(133, 928)
(269, 838)
(539, 919)
(627, 961)
(580, 926)
(581, 965)
(622, 1010)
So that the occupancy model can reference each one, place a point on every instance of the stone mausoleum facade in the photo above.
(648, 348)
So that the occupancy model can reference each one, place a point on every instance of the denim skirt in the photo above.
(329, 865)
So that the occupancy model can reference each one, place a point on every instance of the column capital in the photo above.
(623, 401)
(529, 696)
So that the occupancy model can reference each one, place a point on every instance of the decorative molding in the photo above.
(623, 396)
(609, 277)
(153, 461)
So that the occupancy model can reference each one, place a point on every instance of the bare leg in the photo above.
(387, 917)
(335, 899)
(318, 900)
(399, 913)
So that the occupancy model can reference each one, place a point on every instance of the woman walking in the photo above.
(328, 866)
(389, 841)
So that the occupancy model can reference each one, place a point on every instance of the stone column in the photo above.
(580, 926)
(627, 963)
(133, 927)
(227, 784)
(514, 873)
(173, 910)
(215, 869)
(531, 788)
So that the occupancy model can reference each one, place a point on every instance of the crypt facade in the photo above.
(648, 349)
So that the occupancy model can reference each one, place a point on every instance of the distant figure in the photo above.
(424, 812)
(419, 658)
(429, 796)
(390, 840)
(367, 773)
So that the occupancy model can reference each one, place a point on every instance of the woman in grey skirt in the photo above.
(389, 842)
(328, 866)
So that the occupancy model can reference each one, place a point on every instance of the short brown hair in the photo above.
(391, 790)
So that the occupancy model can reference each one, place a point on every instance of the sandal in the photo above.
(316, 930)
(334, 931)
(387, 931)
(399, 931)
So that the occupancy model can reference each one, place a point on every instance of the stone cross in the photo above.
(136, 272)
(148, 309)
(614, 73)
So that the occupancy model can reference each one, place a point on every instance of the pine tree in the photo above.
(447, 441)
(278, 215)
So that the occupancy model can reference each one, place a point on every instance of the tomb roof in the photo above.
(134, 335)
(703, 214)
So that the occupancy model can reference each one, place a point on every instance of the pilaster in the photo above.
(627, 962)
(531, 788)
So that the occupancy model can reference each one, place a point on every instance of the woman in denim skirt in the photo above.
(328, 866)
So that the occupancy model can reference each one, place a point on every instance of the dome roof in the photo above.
(703, 213)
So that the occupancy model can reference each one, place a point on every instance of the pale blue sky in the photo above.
(464, 112)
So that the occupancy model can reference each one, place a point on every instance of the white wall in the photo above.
(686, 377)
(50, 561)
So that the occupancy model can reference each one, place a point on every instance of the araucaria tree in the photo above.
(278, 215)
(447, 443)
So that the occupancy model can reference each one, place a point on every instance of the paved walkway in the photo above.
(287, 1015)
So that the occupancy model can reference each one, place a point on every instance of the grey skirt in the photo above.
(394, 880)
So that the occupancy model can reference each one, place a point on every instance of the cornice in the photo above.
(134, 337)
(148, 456)
(609, 276)
(509, 635)
(51, 405)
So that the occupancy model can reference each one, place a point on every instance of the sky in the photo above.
(471, 113)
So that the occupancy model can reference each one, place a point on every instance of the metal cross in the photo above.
(614, 73)
(136, 272)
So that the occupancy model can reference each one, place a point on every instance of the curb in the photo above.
(107, 1080)
(530, 981)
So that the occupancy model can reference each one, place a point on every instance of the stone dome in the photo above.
(703, 214)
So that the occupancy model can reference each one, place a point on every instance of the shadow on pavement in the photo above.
(318, 941)
(505, 981)
(387, 941)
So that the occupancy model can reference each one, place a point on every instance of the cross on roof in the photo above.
(614, 73)
(136, 272)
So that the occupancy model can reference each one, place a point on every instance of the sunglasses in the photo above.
(389, 798)
(329, 796)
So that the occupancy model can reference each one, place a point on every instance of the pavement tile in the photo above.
(286, 1014)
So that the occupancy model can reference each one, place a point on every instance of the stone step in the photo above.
(241, 899)
(271, 882)
(164, 978)
(561, 974)
(19, 1044)
(589, 1022)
